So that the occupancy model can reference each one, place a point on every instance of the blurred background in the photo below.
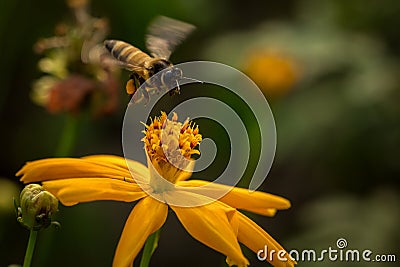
(329, 69)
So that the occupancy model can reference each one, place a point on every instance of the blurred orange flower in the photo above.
(274, 72)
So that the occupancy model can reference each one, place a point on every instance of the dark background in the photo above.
(337, 121)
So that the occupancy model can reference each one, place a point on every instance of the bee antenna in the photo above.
(195, 80)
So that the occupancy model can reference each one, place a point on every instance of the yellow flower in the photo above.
(275, 73)
(169, 145)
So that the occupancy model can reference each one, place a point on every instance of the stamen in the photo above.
(170, 147)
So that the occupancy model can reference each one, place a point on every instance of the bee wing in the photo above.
(164, 34)
(95, 32)
(125, 65)
(92, 54)
(98, 54)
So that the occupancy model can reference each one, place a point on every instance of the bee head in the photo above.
(173, 74)
(158, 65)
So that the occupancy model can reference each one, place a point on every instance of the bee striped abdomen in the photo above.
(126, 53)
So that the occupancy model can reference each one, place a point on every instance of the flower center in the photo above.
(170, 145)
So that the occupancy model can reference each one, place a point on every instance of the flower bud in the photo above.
(36, 207)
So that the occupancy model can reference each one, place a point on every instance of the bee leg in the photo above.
(141, 93)
(175, 91)
(133, 84)
(130, 87)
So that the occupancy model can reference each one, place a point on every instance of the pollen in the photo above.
(170, 145)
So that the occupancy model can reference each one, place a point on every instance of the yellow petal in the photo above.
(137, 169)
(240, 198)
(74, 191)
(211, 225)
(255, 238)
(65, 168)
(116, 161)
(146, 218)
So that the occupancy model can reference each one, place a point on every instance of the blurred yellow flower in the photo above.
(169, 145)
(8, 190)
(273, 72)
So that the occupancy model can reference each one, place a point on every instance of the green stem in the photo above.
(30, 248)
(149, 248)
(68, 136)
(64, 149)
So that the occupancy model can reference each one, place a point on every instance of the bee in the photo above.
(164, 34)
